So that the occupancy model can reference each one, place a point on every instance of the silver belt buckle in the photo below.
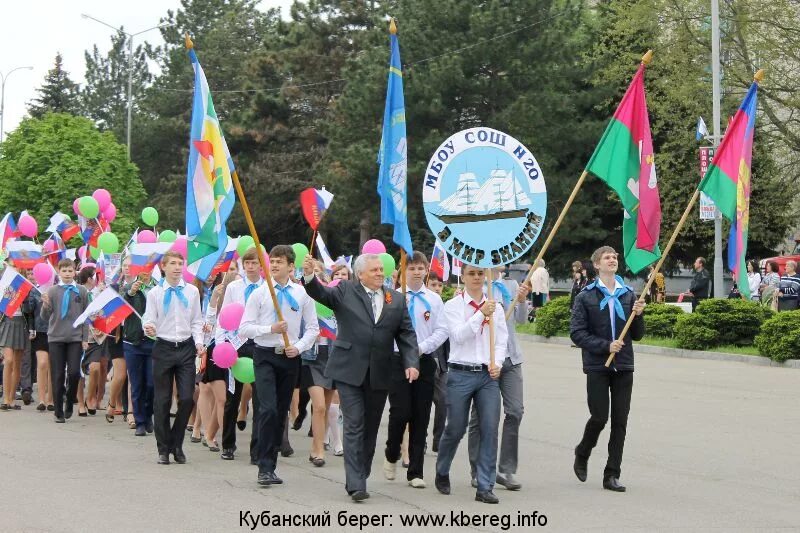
(279, 350)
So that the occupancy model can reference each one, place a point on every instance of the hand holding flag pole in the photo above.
(759, 76)
(252, 228)
(646, 59)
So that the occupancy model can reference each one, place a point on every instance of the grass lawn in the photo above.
(666, 343)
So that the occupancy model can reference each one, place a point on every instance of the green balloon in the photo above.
(388, 264)
(300, 253)
(245, 243)
(323, 311)
(167, 236)
(94, 253)
(108, 243)
(149, 216)
(88, 207)
(243, 370)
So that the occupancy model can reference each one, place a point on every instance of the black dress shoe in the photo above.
(241, 424)
(442, 484)
(60, 420)
(68, 409)
(148, 427)
(163, 458)
(580, 467)
(180, 457)
(51, 407)
(298, 422)
(140, 432)
(486, 497)
(612, 483)
(359, 495)
(27, 397)
(227, 454)
(287, 451)
(269, 478)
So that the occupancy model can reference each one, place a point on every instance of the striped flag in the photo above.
(314, 203)
(24, 254)
(439, 263)
(14, 288)
(63, 225)
(105, 312)
(323, 252)
(144, 256)
(8, 229)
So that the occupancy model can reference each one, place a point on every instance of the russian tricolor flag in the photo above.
(439, 263)
(327, 327)
(91, 229)
(14, 288)
(24, 254)
(105, 312)
(225, 260)
(144, 256)
(314, 203)
(63, 225)
(8, 229)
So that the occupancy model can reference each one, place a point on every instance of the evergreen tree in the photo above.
(58, 93)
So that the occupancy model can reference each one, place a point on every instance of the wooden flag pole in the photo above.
(261, 259)
(655, 271)
(489, 280)
(402, 275)
(313, 240)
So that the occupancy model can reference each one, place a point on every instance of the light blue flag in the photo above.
(392, 158)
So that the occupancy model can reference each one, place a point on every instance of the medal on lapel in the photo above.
(427, 315)
(387, 297)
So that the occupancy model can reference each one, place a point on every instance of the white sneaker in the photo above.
(389, 469)
(417, 483)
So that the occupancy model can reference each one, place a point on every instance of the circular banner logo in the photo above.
(485, 198)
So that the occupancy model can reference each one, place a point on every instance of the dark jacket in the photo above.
(590, 329)
(132, 327)
(361, 345)
(34, 309)
(701, 285)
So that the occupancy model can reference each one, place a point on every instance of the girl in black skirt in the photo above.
(14, 340)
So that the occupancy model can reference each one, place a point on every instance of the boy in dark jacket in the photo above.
(600, 312)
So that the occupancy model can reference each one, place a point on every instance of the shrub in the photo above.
(779, 338)
(692, 333)
(553, 318)
(736, 321)
(448, 292)
(659, 319)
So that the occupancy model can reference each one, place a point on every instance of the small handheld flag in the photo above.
(24, 254)
(8, 229)
(105, 312)
(439, 263)
(314, 203)
(63, 225)
(14, 288)
(144, 256)
(702, 130)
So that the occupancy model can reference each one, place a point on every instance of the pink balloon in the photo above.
(110, 212)
(75, 206)
(82, 251)
(334, 283)
(43, 273)
(49, 245)
(103, 198)
(231, 316)
(225, 355)
(146, 236)
(180, 246)
(27, 226)
(373, 246)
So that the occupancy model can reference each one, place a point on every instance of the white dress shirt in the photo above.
(234, 293)
(377, 297)
(431, 333)
(469, 341)
(259, 316)
(178, 323)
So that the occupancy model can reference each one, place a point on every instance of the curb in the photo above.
(677, 352)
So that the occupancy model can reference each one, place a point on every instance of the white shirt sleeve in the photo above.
(459, 330)
(311, 324)
(439, 334)
(196, 319)
(150, 310)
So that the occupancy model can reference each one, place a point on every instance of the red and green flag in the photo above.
(624, 159)
(727, 182)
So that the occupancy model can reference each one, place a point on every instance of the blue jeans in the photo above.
(464, 387)
(140, 377)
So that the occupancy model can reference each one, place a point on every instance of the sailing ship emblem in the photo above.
(500, 197)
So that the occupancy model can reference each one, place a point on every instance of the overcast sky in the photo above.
(32, 31)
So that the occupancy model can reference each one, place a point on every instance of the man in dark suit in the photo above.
(371, 319)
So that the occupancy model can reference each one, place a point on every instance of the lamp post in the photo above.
(3, 79)
(130, 37)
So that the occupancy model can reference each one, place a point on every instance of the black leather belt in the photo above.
(468, 368)
(176, 344)
(278, 350)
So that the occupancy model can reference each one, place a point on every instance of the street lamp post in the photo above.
(3, 79)
(130, 37)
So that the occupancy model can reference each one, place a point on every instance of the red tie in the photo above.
(477, 307)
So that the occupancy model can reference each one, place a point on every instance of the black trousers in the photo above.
(172, 364)
(440, 406)
(231, 413)
(599, 385)
(276, 376)
(65, 360)
(410, 403)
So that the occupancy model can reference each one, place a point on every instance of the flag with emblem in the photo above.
(439, 263)
(210, 194)
(105, 312)
(14, 288)
(625, 160)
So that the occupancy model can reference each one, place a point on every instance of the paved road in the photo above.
(711, 445)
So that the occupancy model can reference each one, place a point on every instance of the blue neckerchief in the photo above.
(607, 296)
(206, 300)
(284, 294)
(500, 287)
(179, 292)
(249, 288)
(412, 306)
(65, 299)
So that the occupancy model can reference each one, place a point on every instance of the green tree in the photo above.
(47, 162)
(58, 93)
(104, 96)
